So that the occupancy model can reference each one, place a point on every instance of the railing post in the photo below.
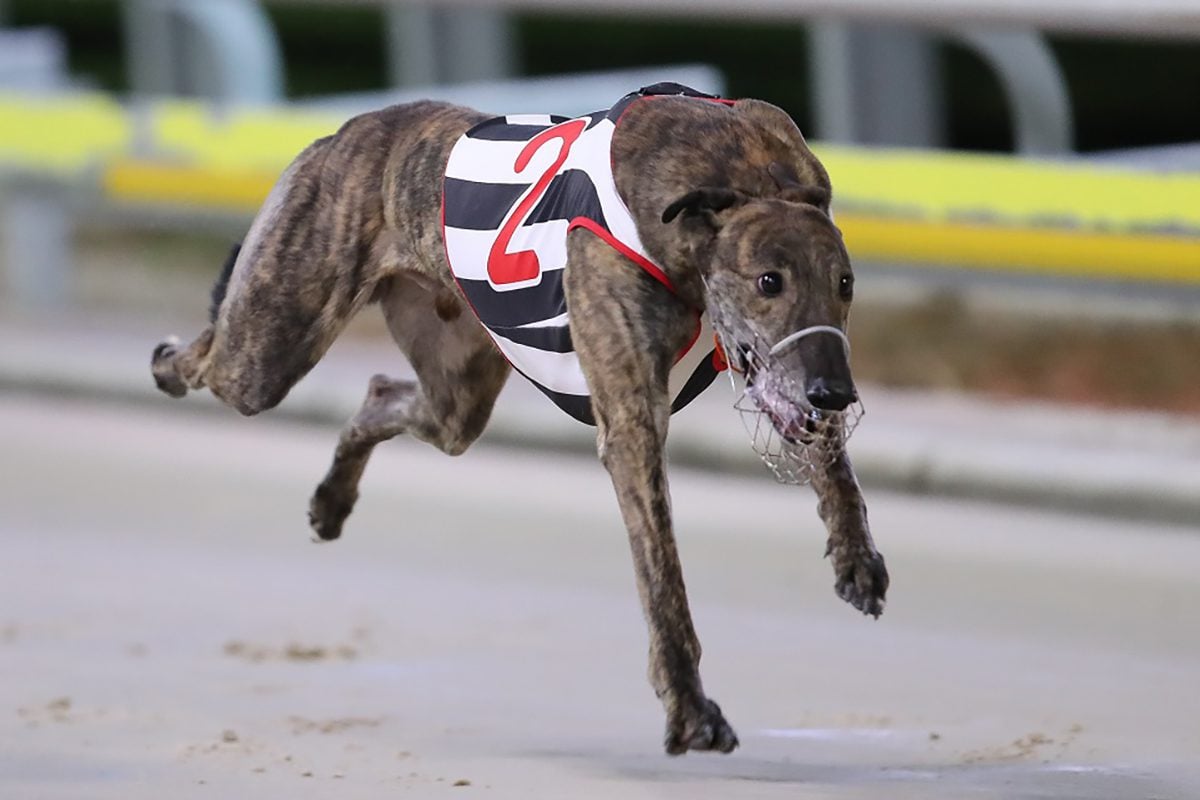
(149, 47)
(1034, 85)
(223, 49)
(478, 45)
(36, 220)
(428, 46)
(36, 231)
(412, 43)
(875, 84)
(881, 85)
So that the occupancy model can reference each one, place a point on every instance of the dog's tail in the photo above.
(222, 284)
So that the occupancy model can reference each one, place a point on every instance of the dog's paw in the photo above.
(699, 727)
(861, 578)
(162, 367)
(328, 509)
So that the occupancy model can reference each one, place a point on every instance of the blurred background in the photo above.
(161, 123)
(1018, 184)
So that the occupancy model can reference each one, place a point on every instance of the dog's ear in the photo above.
(703, 202)
(792, 190)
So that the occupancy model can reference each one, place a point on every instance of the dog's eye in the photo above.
(846, 287)
(770, 283)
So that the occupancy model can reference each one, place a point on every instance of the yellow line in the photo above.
(255, 139)
(1041, 250)
(1062, 218)
(146, 183)
(69, 134)
(60, 134)
(1009, 190)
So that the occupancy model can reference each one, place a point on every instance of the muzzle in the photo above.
(790, 435)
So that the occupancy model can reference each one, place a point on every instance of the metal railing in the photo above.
(874, 83)
(995, 212)
(1160, 18)
(163, 153)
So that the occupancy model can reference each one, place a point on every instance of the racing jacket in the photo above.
(513, 189)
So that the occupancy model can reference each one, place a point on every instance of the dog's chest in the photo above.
(514, 188)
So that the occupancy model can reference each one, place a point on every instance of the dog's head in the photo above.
(778, 286)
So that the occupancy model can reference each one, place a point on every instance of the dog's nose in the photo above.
(830, 395)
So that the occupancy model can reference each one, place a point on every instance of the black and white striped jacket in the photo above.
(514, 187)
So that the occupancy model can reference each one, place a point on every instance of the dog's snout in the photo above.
(830, 394)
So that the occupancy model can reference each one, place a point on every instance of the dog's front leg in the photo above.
(626, 329)
(861, 579)
(631, 448)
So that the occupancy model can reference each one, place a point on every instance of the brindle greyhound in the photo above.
(727, 198)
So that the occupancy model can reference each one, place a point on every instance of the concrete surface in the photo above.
(1130, 464)
(166, 630)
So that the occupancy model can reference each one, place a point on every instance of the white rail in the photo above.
(1166, 18)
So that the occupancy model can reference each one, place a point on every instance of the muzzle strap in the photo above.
(793, 439)
(792, 338)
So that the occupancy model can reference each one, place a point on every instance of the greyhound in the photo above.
(727, 215)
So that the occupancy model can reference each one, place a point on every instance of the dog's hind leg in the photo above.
(460, 372)
(312, 258)
(861, 578)
(627, 330)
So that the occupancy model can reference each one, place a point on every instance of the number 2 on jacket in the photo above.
(505, 267)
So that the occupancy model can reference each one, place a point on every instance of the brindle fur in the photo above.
(356, 219)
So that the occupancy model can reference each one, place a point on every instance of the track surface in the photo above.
(166, 629)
